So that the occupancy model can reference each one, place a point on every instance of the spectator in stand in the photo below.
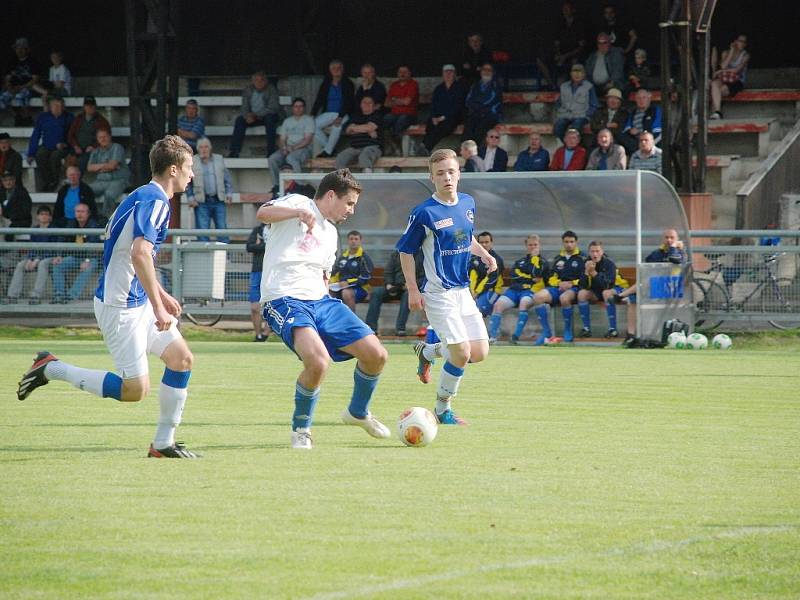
(71, 259)
(255, 245)
(15, 203)
(290, 186)
(485, 287)
(351, 272)
(402, 100)
(370, 86)
(648, 156)
(472, 162)
(495, 159)
(333, 105)
(48, 145)
(571, 156)
(611, 116)
(108, 162)
(295, 142)
(38, 259)
(638, 73)
(605, 66)
(365, 139)
(607, 156)
(645, 117)
(484, 105)
(10, 159)
(260, 106)
(535, 157)
(620, 34)
(729, 79)
(570, 41)
(82, 134)
(210, 190)
(393, 288)
(597, 285)
(576, 103)
(191, 126)
(475, 56)
(447, 108)
(18, 83)
(71, 194)
(59, 79)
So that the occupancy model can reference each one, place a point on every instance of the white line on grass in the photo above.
(634, 549)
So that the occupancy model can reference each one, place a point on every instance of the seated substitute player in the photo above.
(528, 275)
(442, 226)
(135, 314)
(598, 284)
(671, 251)
(484, 286)
(351, 273)
(298, 258)
(562, 287)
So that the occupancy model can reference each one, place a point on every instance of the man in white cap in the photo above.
(18, 83)
(447, 108)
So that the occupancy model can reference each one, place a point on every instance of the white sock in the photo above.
(448, 386)
(89, 380)
(442, 404)
(171, 400)
(429, 351)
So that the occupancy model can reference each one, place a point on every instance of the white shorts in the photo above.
(454, 316)
(130, 333)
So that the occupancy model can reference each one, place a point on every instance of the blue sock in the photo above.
(521, 320)
(363, 387)
(567, 312)
(611, 311)
(112, 386)
(494, 324)
(541, 312)
(304, 402)
(584, 309)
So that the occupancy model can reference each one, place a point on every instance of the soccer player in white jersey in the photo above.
(443, 227)
(298, 259)
(135, 314)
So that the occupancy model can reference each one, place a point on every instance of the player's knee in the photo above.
(317, 365)
(565, 300)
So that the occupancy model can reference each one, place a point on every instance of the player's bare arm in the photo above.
(486, 258)
(270, 213)
(142, 259)
(415, 301)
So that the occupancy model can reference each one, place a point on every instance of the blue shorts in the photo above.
(485, 301)
(337, 325)
(361, 293)
(555, 292)
(255, 287)
(516, 296)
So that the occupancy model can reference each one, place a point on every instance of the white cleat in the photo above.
(301, 438)
(369, 424)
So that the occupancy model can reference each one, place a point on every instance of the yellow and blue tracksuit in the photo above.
(485, 286)
(528, 275)
(607, 275)
(355, 269)
(565, 267)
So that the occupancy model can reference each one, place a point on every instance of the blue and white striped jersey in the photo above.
(144, 213)
(444, 232)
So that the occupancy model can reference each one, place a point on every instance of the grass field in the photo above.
(585, 473)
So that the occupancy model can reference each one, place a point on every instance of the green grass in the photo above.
(585, 473)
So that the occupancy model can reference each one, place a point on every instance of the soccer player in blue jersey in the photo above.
(443, 227)
(298, 259)
(135, 314)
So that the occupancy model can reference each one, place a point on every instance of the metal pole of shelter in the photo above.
(638, 248)
(666, 128)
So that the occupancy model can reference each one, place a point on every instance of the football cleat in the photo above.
(301, 438)
(369, 424)
(448, 417)
(177, 450)
(612, 333)
(586, 332)
(514, 339)
(424, 365)
(35, 377)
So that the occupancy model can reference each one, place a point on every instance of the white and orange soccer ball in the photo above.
(417, 426)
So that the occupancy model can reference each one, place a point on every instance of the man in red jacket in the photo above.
(571, 156)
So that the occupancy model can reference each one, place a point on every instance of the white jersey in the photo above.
(296, 261)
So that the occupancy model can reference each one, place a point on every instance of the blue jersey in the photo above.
(444, 232)
(144, 213)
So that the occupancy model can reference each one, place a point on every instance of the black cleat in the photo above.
(612, 333)
(34, 377)
(177, 450)
(514, 339)
(630, 342)
(585, 333)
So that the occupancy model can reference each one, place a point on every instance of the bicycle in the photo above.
(720, 289)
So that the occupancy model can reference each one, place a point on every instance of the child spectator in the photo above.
(638, 73)
(59, 75)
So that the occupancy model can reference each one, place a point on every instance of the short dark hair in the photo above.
(44, 209)
(569, 233)
(169, 150)
(354, 232)
(484, 233)
(299, 99)
(340, 182)
(596, 243)
(192, 101)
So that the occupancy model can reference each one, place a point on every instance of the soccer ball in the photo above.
(721, 341)
(417, 426)
(697, 341)
(676, 339)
